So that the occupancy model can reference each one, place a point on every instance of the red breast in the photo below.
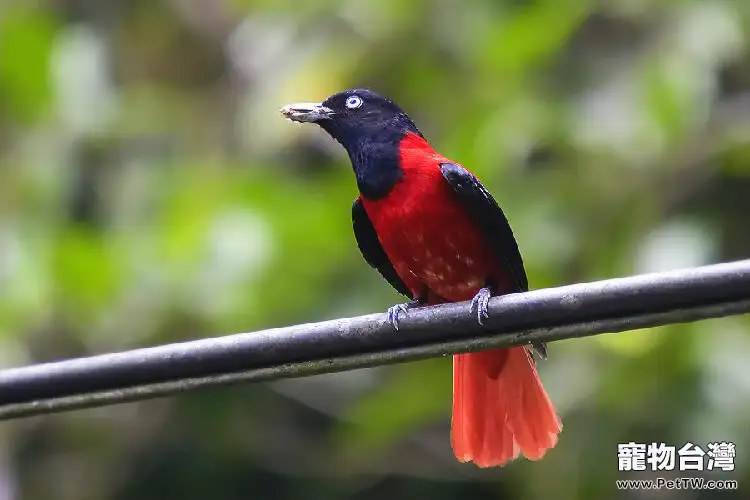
(427, 235)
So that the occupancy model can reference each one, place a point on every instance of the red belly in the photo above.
(431, 240)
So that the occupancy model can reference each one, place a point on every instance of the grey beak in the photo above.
(306, 112)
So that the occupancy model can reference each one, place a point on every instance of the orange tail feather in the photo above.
(500, 408)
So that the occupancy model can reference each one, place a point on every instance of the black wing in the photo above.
(372, 250)
(489, 217)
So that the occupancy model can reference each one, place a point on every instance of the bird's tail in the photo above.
(500, 408)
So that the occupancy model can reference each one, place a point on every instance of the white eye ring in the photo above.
(353, 102)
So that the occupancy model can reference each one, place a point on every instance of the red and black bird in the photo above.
(434, 232)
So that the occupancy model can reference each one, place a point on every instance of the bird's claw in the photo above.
(480, 304)
(540, 349)
(394, 312)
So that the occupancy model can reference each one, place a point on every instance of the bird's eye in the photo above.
(354, 102)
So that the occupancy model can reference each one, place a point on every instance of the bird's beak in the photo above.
(306, 112)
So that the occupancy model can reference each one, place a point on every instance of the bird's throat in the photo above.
(376, 166)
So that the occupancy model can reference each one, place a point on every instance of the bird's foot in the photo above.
(540, 349)
(480, 304)
(395, 311)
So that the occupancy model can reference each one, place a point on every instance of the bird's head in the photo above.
(354, 117)
(369, 126)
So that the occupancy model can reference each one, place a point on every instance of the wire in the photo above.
(344, 344)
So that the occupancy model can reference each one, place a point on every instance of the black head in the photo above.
(354, 115)
(369, 126)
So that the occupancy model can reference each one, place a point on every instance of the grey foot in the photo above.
(540, 349)
(395, 311)
(480, 304)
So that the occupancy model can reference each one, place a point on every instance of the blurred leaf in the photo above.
(86, 272)
(27, 36)
(536, 31)
(667, 97)
(418, 391)
(635, 343)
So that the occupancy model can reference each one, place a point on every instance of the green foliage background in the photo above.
(151, 193)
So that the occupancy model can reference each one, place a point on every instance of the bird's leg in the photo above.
(395, 311)
(479, 306)
(480, 302)
(540, 349)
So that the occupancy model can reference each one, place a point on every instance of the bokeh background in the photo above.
(150, 193)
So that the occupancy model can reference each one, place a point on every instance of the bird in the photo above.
(435, 234)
